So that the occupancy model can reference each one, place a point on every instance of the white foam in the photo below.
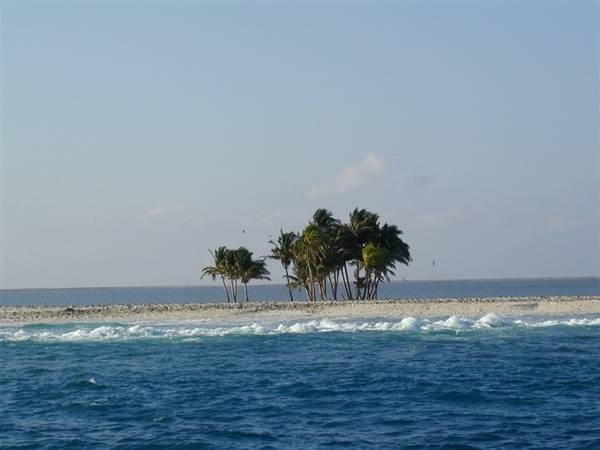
(490, 320)
(200, 329)
(451, 323)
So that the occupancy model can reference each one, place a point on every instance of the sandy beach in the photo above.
(286, 310)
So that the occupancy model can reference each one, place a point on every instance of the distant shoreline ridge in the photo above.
(533, 305)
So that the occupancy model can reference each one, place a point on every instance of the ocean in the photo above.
(528, 382)
(273, 293)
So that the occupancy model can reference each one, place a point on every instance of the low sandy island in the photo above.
(514, 306)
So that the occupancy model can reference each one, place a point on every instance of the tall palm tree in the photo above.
(231, 271)
(327, 264)
(343, 246)
(364, 226)
(219, 256)
(283, 250)
(308, 248)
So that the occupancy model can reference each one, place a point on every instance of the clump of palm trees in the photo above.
(328, 259)
(324, 254)
(233, 266)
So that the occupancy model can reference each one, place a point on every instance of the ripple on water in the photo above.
(487, 382)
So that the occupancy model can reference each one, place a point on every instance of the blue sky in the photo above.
(135, 136)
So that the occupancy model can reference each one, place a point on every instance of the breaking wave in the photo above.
(118, 332)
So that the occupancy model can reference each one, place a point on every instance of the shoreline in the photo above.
(512, 306)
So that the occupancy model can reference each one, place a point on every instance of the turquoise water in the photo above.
(443, 382)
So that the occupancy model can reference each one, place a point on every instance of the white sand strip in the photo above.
(285, 310)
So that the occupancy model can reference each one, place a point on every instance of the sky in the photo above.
(135, 136)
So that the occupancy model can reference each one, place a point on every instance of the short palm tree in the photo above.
(283, 250)
(219, 256)
(249, 269)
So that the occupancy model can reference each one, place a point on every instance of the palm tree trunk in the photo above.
(357, 279)
(347, 282)
(307, 292)
(287, 277)
(312, 283)
(232, 291)
(226, 291)
(246, 291)
(331, 286)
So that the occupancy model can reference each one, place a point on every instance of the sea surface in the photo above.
(529, 382)
(204, 294)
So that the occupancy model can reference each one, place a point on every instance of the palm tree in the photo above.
(249, 269)
(397, 251)
(327, 263)
(231, 271)
(376, 261)
(363, 226)
(319, 257)
(308, 248)
(343, 244)
(380, 255)
(283, 250)
(219, 256)
(324, 219)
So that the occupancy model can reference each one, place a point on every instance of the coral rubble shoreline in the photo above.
(287, 310)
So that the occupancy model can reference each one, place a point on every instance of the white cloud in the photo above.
(159, 210)
(156, 211)
(350, 178)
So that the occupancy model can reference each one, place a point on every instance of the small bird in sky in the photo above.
(433, 263)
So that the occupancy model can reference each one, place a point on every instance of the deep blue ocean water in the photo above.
(369, 383)
(405, 383)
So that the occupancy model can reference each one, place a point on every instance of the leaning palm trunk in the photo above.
(307, 292)
(246, 291)
(233, 289)
(333, 290)
(287, 276)
(311, 283)
(376, 288)
(357, 279)
(346, 280)
(323, 289)
(226, 290)
(336, 283)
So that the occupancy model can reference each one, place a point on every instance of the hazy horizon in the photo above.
(259, 283)
(126, 155)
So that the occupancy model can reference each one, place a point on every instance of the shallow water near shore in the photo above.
(436, 382)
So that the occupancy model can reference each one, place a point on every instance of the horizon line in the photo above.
(186, 286)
